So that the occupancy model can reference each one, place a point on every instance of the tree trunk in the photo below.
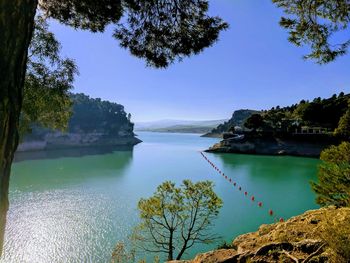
(171, 249)
(16, 27)
(182, 251)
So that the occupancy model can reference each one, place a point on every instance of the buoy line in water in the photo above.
(252, 198)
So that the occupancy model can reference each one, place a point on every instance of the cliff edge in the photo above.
(321, 235)
(308, 146)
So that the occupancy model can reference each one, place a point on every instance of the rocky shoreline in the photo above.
(60, 140)
(212, 135)
(272, 146)
(302, 238)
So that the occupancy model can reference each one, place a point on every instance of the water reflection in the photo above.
(77, 209)
(72, 152)
(3, 216)
(53, 201)
(274, 180)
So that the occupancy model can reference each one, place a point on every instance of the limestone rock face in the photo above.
(299, 239)
(270, 146)
(60, 140)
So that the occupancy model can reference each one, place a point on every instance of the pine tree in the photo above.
(343, 129)
(333, 187)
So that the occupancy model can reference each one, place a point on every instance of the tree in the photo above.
(120, 254)
(95, 115)
(343, 129)
(158, 31)
(333, 186)
(314, 23)
(176, 218)
(46, 100)
(254, 122)
(48, 80)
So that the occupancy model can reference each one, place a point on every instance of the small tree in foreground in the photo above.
(176, 218)
(333, 187)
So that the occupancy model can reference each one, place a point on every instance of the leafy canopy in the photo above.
(254, 122)
(176, 218)
(333, 187)
(327, 113)
(95, 115)
(47, 82)
(160, 31)
(314, 23)
(343, 129)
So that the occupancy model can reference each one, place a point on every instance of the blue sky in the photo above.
(252, 66)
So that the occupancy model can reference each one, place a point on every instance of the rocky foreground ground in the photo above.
(320, 235)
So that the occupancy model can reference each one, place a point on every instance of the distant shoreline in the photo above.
(274, 146)
(73, 140)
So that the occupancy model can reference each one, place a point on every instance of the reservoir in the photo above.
(74, 206)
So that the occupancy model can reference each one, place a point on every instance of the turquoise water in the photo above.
(74, 209)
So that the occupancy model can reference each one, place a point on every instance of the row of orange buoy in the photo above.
(252, 198)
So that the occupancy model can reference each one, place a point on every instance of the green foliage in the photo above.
(314, 23)
(48, 81)
(254, 122)
(121, 255)
(176, 218)
(333, 186)
(343, 129)
(156, 30)
(85, 14)
(95, 115)
(323, 112)
(238, 118)
(161, 31)
(225, 245)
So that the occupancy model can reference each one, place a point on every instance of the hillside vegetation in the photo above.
(238, 119)
(323, 114)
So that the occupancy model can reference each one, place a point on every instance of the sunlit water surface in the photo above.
(75, 209)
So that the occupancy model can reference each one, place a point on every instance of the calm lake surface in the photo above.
(75, 209)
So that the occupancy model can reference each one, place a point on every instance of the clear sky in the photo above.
(252, 66)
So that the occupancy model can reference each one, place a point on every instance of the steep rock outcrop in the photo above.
(271, 146)
(238, 118)
(302, 238)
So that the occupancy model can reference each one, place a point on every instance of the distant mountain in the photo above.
(181, 126)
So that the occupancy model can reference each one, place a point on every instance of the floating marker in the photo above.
(260, 204)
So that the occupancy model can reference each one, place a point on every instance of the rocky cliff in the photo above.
(59, 140)
(238, 118)
(272, 146)
(321, 235)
